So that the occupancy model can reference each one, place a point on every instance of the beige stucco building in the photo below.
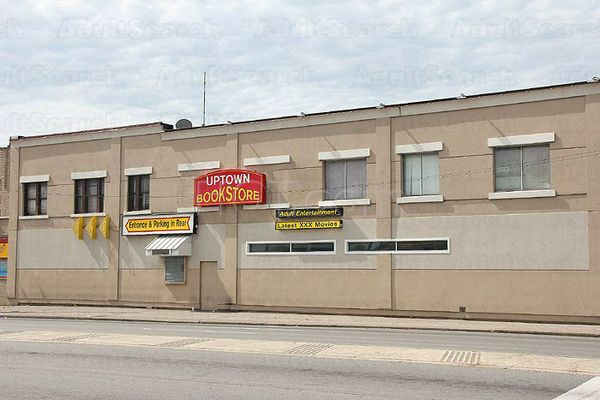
(4, 195)
(485, 207)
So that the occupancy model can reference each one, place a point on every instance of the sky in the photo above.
(76, 65)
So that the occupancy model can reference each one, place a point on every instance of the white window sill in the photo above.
(349, 202)
(140, 212)
(33, 217)
(183, 210)
(437, 198)
(522, 194)
(271, 206)
(102, 214)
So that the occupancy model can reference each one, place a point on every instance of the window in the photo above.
(420, 174)
(346, 179)
(138, 193)
(89, 195)
(35, 197)
(174, 269)
(398, 246)
(291, 248)
(3, 268)
(522, 168)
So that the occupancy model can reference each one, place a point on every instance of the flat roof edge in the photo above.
(489, 99)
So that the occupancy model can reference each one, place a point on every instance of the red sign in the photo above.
(230, 186)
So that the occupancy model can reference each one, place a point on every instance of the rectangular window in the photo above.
(138, 193)
(291, 248)
(174, 269)
(89, 195)
(35, 197)
(420, 174)
(3, 268)
(346, 179)
(522, 168)
(398, 246)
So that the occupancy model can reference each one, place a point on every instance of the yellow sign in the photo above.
(78, 228)
(294, 225)
(91, 227)
(174, 224)
(105, 227)
(3, 250)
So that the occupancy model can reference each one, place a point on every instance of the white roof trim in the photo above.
(34, 178)
(521, 139)
(89, 174)
(199, 166)
(344, 154)
(419, 148)
(284, 159)
(137, 171)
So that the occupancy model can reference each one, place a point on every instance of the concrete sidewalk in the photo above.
(292, 319)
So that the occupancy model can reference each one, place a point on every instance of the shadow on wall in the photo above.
(213, 295)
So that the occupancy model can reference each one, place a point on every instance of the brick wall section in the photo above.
(4, 179)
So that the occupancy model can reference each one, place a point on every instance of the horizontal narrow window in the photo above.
(291, 248)
(421, 245)
(311, 247)
(371, 246)
(398, 246)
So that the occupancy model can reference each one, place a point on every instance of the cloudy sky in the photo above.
(69, 65)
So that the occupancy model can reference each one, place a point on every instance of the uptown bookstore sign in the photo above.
(230, 186)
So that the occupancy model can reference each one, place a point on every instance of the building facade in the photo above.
(483, 207)
(4, 195)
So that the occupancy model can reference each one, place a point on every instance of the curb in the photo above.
(307, 325)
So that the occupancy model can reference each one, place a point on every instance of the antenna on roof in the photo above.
(204, 102)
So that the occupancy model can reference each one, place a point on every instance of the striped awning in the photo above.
(170, 245)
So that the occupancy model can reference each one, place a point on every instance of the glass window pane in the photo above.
(92, 204)
(371, 246)
(312, 247)
(43, 190)
(335, 180)
(431, 173)
(31, 207)
(145, 201)
(536, 167)
(422, 245)
(507, 169)
(269, 248)
(79, 186)
(31, 190)
(174, 269)
(145, 183)
(79, 204)
(411, 175)
(92, 187)
(356, 179)
(43, 209)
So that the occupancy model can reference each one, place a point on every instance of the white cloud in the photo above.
(82, 65)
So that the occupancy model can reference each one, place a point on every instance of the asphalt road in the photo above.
(473, 341)
(33, 370)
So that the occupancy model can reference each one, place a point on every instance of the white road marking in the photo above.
(589, 390)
